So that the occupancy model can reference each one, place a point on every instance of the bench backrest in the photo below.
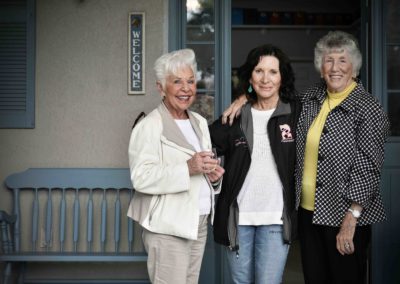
(78, 210)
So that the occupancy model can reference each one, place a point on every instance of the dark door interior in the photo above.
(294, 26)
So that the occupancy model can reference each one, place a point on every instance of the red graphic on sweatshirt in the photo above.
(286, 133)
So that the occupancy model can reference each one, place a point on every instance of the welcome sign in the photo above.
(136, 53)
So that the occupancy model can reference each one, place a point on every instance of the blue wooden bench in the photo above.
(69, 215)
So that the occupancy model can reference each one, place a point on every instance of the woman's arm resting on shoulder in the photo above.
(234, 109)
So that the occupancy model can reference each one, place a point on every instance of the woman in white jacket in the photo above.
(174, 174)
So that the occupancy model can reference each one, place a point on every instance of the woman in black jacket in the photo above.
(255, 215)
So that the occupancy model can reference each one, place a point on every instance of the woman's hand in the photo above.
(202, 163)
(344, 239)
(216, 174)
(234, 109)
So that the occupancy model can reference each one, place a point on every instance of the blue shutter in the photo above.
(17, 52)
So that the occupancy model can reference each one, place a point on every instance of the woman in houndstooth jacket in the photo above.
(340, 141)
(340, 150)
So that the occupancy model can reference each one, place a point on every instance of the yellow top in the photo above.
(312, 147)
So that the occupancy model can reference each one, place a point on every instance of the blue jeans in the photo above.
(262, 255)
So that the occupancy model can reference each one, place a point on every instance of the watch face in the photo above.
(355, 213)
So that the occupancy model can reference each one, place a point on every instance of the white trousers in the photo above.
(175, 260)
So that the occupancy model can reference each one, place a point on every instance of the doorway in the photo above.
(295, 27)
(233, 27)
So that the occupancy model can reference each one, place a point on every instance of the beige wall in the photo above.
(83, 111)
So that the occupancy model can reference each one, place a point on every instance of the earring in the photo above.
(250, 89)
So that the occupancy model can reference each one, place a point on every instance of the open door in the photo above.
(295, 27)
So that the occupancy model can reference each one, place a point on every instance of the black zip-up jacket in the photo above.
(235, 143)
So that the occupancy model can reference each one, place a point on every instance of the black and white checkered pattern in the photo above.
(350, 158)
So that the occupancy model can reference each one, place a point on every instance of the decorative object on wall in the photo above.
(136, 64)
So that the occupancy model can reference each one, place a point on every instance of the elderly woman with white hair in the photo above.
(174, 174)
(340, 141)
(340, 150)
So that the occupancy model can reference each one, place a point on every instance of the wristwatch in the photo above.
(356, 213)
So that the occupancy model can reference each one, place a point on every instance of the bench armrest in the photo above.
(5, 217)
(6, 222)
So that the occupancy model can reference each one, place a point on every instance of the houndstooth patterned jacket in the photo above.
(350, 158)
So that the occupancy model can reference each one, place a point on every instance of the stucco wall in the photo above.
(83, 111)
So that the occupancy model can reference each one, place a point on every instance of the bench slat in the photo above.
(117, 221)
(76, 221)
(61, 178)
(35, 219)
(49, 218)
(103, 226)
(63, 208)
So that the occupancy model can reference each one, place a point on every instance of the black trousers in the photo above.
(322, 263)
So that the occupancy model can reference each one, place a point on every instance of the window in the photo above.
(17, 51)
(193, 24)
(200, 36)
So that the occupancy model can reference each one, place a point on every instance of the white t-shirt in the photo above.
(261, 199)
(191, 137)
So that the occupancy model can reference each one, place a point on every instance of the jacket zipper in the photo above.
(235, 233)
(235, 247)
(286, 224)
(236, 225)
(235, 221)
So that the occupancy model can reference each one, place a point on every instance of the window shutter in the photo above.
(16, 64)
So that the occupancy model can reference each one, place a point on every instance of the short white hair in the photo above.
(169, 63)
(338, 41)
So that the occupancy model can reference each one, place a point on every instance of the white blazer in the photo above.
(166, 199)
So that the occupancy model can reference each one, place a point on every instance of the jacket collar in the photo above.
(246, 119)
(320, 93)
(281, 109)
(172, 132)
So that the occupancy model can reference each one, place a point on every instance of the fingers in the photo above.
(345, 246)
(195, 164)
(205, 154)
(202, 163)
(232, 117)
(216, 173)
(210, 164)
(226, 114)
(344, 239)
(233, 110)
(230, 113)
(236, 108)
